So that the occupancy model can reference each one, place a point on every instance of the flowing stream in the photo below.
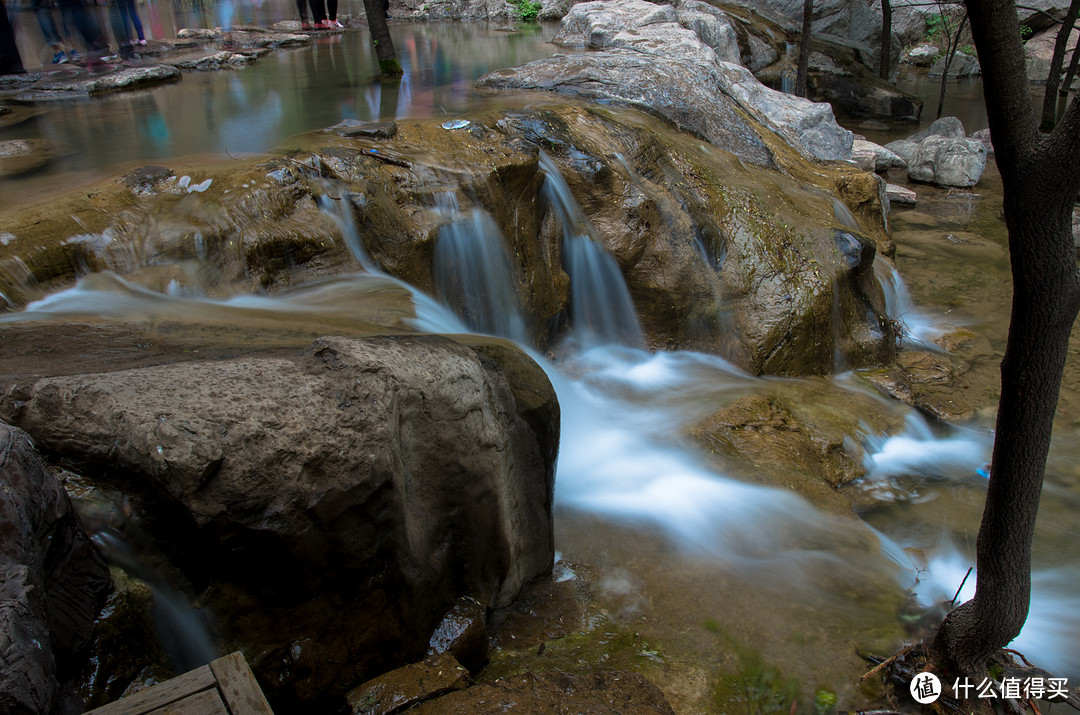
(676, 538)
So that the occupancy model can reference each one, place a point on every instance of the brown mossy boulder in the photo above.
(926, 380)
(759, 266)
(808, 441)
(331, 503)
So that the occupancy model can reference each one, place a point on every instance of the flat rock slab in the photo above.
(213, 61)
(84, 84)
(901, 195)
(20, 156)
(15, 82)
(614, 692)
(410, 685)
(357, 128)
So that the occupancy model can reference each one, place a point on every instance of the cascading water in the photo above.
(182, 630)
(337, 202)
(917, 328)
(473, 274)
(601, 310)
(623, 453)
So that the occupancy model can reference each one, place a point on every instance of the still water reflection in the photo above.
(251, 110)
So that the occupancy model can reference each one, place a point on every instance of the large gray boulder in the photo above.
(1039, 52)
(961, 65)
(854, 22)
(712, 26)
(647, 58)
(948, 161)
(874, 157)
(339, 499)
(52, 581)
(452, 10)
(942, 154)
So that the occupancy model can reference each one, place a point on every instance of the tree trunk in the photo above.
(1039, 187)
(380, 37)
(804, 49)
(885, 61)
(1069, 75)
(1053, 79)
(950, 51)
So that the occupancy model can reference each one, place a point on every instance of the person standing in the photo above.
(43, 12)
(129, 16)
(10, 61)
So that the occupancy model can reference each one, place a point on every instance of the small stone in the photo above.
(900, 195)
(408, 686)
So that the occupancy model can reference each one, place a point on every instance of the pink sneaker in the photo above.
(337, 24)
(142, 42)
(324, 25)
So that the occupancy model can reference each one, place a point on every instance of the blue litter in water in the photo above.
(455, 124)
(984, 473)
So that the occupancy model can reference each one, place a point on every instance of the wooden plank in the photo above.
(161, 694)
(208, 702)
(238, 686)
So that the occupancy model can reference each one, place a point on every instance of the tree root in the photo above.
(898, 670)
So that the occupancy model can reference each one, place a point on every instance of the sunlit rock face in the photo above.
(352, 490)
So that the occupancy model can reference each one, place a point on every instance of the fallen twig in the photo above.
(885, 663)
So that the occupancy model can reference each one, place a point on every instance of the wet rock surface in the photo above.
(84, 83)
(409, 686)
(924, 380)
(462, 633)
(710, 261)
(602, 693)
(52, 581)
(279, 478)
(22, 156)
(810, 443)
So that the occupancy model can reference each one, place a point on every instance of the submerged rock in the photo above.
(339, 499)
(52, 581)
(924, 380)
(810, 441)
(22, 156)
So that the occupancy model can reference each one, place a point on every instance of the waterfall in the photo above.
(916, 328)
(601, 310)
(787, 75)
(337, 203)
(181, 629)
(843, 214)
(473, 273)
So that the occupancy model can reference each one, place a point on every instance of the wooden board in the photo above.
(238, 686)
(208, 702)
(225, 687)
(144, 701)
